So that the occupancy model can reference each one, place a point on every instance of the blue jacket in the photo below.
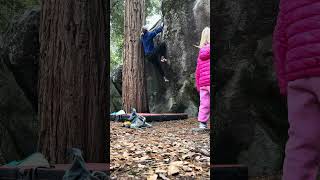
(147, 40)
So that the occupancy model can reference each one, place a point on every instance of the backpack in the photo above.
(78, 170)
(137, 121)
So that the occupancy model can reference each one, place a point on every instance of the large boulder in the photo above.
(18, 87)
(116, 78)
(116, 89)
(201, 13)
(21, 45)
(115, 99)
(184, 21)
(180, 34)
(250, 115)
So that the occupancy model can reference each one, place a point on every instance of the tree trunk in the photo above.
(134, 94)
(72, 79)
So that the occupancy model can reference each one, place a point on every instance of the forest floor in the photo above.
(167, 150)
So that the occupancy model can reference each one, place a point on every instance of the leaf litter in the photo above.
(167, 150)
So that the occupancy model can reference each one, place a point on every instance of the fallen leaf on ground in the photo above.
(141, 154)
(153, 177)
(186, 168)
(173, 170)
(177, 163)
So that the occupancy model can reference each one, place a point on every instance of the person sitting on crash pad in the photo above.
(151, 52)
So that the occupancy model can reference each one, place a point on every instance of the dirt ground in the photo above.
(167, 150)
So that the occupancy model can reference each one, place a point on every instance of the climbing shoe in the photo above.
(165, 79)
(163, 59)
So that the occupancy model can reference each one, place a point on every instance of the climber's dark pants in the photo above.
(154, 57)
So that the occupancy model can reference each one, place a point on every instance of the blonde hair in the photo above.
(205, 37)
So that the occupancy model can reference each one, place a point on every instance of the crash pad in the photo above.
(152, 116)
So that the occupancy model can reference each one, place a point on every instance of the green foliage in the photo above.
(117, 30)
(152, 7)
(11, 8)
(116, 50)
(117, 26)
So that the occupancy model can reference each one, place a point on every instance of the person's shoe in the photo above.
(165, 79)
(203, 125)
(202, 128)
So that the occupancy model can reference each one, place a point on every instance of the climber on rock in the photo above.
(152, 53)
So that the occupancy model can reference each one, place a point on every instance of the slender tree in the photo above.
(72, 79)
(133, 78)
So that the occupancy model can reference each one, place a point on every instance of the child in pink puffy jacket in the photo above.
(296, 48)
(203, 78)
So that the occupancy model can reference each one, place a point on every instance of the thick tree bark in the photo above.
(134, 94)
(72, 79)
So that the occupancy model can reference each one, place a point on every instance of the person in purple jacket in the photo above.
(296, 46)
(152, 53)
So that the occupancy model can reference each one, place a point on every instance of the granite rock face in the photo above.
(19, 51)
(180, 35)
(201, 13)
(250, 115)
